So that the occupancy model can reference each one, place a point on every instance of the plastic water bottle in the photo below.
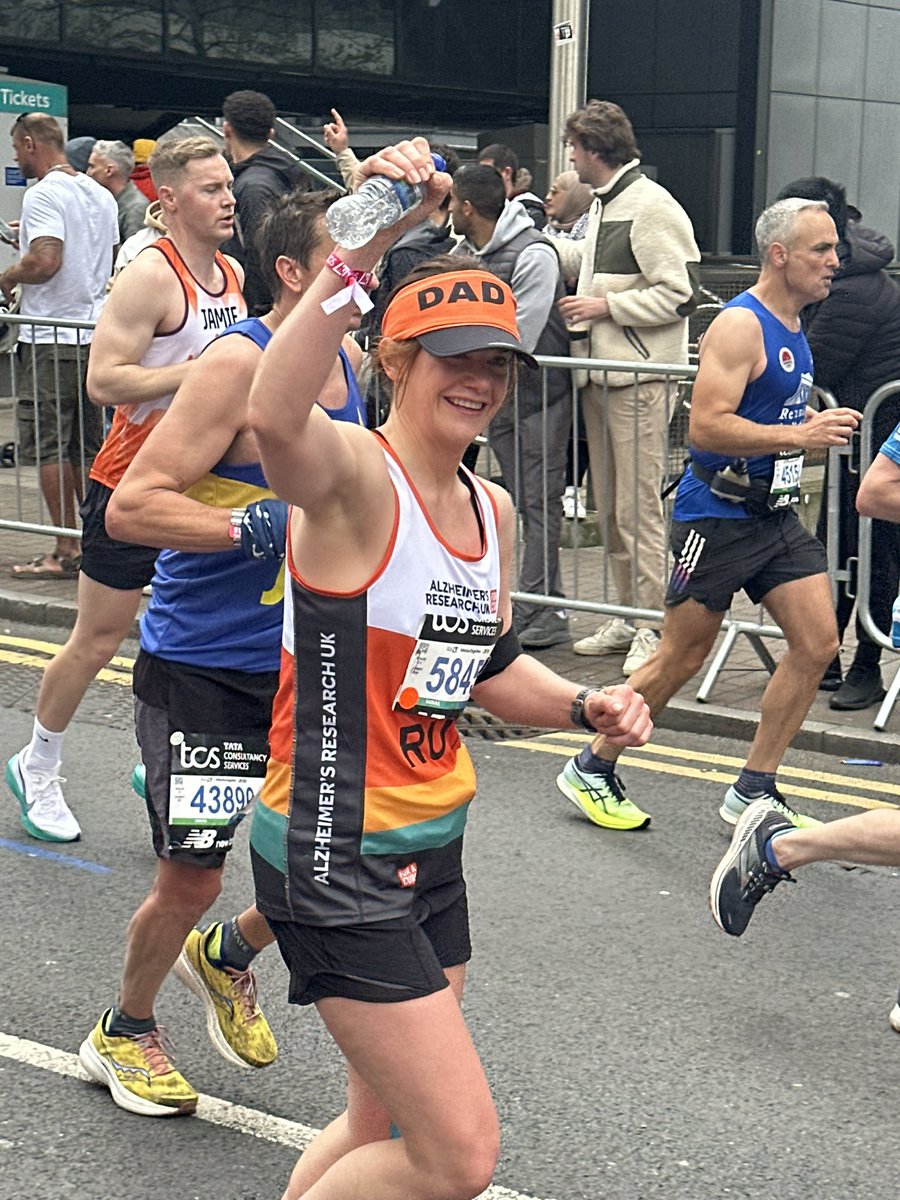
(895, 624)
(354, 220)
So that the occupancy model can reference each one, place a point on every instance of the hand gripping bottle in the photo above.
(354, 220)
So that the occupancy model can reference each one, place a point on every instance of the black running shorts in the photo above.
(716, 557)
(383, 962)
(203, 734)
(120, 565)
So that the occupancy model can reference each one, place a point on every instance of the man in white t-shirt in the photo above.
(68, 237)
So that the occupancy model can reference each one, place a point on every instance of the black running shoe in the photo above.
(744, 876)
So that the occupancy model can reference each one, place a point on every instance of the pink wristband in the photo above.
(356, 290)
(365, 279)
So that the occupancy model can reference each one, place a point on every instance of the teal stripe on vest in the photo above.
(424, 835)
(268, 836)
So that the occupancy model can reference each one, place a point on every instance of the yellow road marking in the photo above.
(32, 660)
(7, 639)
(628, 760)
(725, 760)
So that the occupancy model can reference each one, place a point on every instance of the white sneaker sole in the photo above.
(739, 838)
(16, 783)
(185, 971)
(102, 1072)
(728, 816)
(600, 651)
(894, 1018)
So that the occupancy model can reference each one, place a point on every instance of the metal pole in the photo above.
(568, 74)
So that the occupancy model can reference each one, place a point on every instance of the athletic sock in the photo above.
(754, 784)
(767, 851)
(119, 1024)
(226, 947)
(588, 762)
(44, 751)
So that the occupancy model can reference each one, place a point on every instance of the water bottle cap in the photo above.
(439, 163)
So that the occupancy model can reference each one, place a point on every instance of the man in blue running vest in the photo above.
(734, 523)
(205, 678)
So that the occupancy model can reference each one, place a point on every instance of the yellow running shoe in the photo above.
(138, 1071)
(234, 1021)
(601, 798)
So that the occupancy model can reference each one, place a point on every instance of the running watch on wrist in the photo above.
(576, 712)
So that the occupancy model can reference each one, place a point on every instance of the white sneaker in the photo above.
(615, 637)
(894, 1017)
(44, 812)
(573, 505)
(644, 646)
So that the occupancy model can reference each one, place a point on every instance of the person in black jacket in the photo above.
(261, 175)
(854, 335)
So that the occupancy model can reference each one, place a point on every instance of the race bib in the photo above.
(214, 779)
(785, 488)
(445, 662)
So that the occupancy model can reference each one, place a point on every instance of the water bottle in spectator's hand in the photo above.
(895, 624)
(354, 220)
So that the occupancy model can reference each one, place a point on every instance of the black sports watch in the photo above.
(576, 712)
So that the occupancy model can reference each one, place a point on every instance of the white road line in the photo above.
(210, 1108)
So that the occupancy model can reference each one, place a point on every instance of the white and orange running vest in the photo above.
(368, 784)
(206, 314)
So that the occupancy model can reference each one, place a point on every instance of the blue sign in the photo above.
(13, 177)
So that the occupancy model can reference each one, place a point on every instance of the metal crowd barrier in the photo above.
(867, 451)
(586, 574)
(23, 508)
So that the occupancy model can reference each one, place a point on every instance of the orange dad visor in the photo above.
(455, 313)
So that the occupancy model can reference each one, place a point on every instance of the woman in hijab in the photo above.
(567, 206)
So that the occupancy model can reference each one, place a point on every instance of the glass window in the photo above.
(256, 31)
(355, 37)
(114, 25)
(30, 20)
(473, 45)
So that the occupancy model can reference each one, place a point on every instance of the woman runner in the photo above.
(397, 609)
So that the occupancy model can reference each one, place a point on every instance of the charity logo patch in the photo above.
(786, 358)
(407, 875)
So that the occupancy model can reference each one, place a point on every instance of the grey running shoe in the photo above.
(734, 805)
(548, 627)
(744, 876)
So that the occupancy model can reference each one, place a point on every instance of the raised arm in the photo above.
(208, 413)
(320, 465)
(732, 354)
(147, 299)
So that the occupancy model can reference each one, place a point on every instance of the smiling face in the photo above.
(455, 396)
